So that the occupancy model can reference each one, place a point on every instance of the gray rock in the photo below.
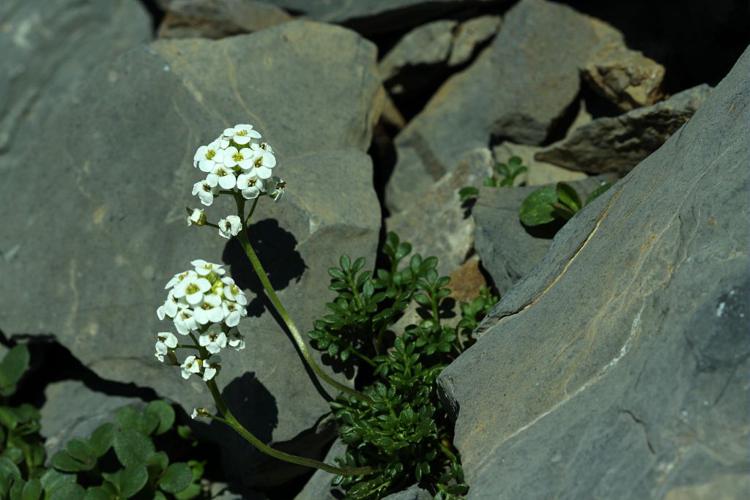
(625, 77)
(117, 175)
(375, 16)
(617, 368)
(507, 249)
(617, 144)
(37, 72)
(217, 18)
(413, 492)
(72, 410)
(442, 44)
(437, 224)
(518, 89)
(318, 487)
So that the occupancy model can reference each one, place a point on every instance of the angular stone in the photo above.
(413, 492)
(437, 224)
(507, 249)
(617, 368)
(72, 410)
(217, 18)
(100, 218)
(38, 73)
(625, 77)
(520, 89)
(318, 487)
(617, 144)
(469, 35)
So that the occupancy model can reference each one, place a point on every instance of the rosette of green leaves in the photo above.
(120, 460)
(504, 175)
(555, 202)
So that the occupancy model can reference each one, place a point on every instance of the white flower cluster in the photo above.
(202, 302)
(236, 161)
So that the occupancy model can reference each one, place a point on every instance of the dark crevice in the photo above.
(155, 11)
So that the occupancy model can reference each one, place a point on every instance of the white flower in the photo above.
(250, 186)
(192, 288)
(232, 313)
(165, 342)
(194, 414)
(230, 226)
(170, 306)
(236, 341)
(204, 268)
(242, 133)
(213, 341)
(223, 176)
(243, 157)
(189, 366)
(178, 278)
(233, 292)
(263, 161)
(197, 217)
(185, 321)
(206, 190)
(209, 311)
(207, 157)
(210, 367)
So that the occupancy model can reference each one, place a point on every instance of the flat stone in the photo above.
(413, 492)
(616, 369)
(437, 224)
(507, 249)
(72, 410)
(217, 18)
(117, 176)
(429, 44)
(617, 144)
(625, 77)
(471, 34)
(520, 89)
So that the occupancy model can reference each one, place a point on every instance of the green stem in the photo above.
(281, 310)
(230, 420)
(364, 358)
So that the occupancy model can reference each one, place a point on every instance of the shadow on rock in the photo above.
(276, 249)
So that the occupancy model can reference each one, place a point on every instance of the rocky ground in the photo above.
(615, 364)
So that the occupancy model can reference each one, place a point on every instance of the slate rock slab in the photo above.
(438, 224)
(519, 89)
(617, 369)
(37, 72)
(508, 250)
(217, 18)
(72, 410)
(617, 144)
(100, 222)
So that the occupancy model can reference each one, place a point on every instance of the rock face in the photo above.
(437, 224)
(37, 72)
(428, 52)
(114, 177)
(520, 88)
(617, 368)
(72, 410)
(217, 18)
(507, 249)
(617, 144)
(625, 77)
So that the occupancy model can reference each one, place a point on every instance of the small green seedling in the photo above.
(504, 175)
(555, 202)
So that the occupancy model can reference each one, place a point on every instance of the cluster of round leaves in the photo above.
(206, 304)
(120, 460)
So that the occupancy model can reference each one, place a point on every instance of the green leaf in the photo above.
(12, 367)
(32, 490)
(191, 491)
(8, 469)
(157, 462)
(98, 493)
(345, 263)
(129, 480)
(598, 192)
(53, 480)
(164, 412)
(132, 448)
(568, 196)
(468, 193)
(101, 439)
(81, 451)
(69, 491)
(64, 461)
(131, 418)
(490, 182)
(176, 478)
(515, 161)
(538, 207)
(8, 418)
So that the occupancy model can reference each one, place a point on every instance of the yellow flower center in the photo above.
(210, 154)
(238, 157)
